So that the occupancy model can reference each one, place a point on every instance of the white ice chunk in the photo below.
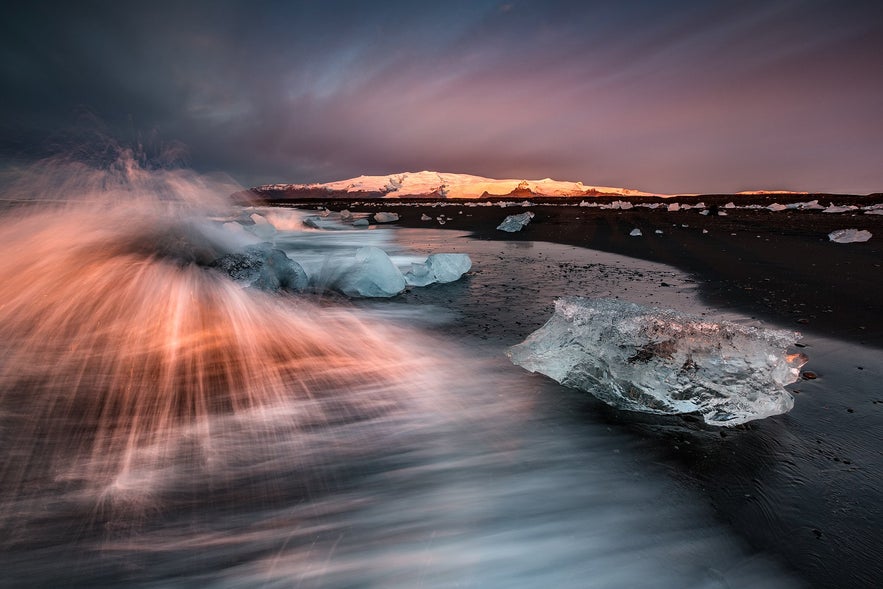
(360, 223)
(425, 217)
(776, 207)
(371, 274)
(849, 236)
(730, 205)
(673, 207)
(320, 222)
(384, 217)
(346, 215)
(514, 223)
(660, 361)
(262, 227)
(635, 232)
(438, 268)
(832, 208)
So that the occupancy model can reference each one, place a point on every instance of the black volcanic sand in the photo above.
(805, 485)
(777, 266)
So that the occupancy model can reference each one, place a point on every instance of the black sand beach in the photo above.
(778, 266)
(804, 485)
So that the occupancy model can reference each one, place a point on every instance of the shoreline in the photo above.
(774, 266)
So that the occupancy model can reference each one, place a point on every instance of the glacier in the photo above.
(660, 361)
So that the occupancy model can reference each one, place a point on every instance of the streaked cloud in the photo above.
(690, 96)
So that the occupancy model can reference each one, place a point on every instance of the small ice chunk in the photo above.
(730, 205)
(425, 217)
(360, 223)
(384, 217)
(850, 236)
(318, 222)
(370, 274)
(346, 215)
(261, 266)
(262, 227)
(439, 268)
(660, 361)
(635, 232)
(514, 223)
(776, 207)
(658, 232)
(673, 207)
(874, 212)
(832, 208)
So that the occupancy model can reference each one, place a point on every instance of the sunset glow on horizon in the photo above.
(690, 97)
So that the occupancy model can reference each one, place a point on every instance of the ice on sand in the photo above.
(635, 232)
(660, 361)
(261, 266)
(383, 217)
(370, 274)
(514, 223)
(849, 236)
(438, 268)
(262, 227)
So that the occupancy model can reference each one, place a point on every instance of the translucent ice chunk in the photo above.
(383, 217)
(514, 223)
(438, 268)
(660, 361)
(371, 274)
(635, 232)
(262, 227)
(849, 236)
(261, 266)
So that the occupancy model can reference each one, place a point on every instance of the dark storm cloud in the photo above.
(686, 96)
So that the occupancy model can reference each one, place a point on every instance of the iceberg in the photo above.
(321, 222)
(383, 217)
(850, 236)
(514, 223)
(660, 361)
(261, 266)
(262, 227)
(438, 268)
(371, 274)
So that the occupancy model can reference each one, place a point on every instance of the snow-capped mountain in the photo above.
(445, 185)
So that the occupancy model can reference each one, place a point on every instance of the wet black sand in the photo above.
(778, 266)
(803, 486)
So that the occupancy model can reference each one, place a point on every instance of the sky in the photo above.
(682, 96)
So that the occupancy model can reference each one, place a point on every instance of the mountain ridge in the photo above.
(450, 185)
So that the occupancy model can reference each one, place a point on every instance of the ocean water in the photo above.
(162, 426)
